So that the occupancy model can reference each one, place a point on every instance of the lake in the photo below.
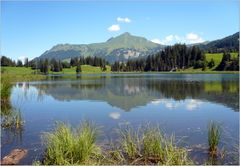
(182, 104)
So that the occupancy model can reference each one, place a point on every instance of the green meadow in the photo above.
(217, 57)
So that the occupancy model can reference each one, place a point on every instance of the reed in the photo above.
(65, 146)
(213, 137)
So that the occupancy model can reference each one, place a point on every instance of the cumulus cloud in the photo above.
(193, 104)
(114, 27)
(171, 39)
(193, 38)
(121, 19)
(114, 115)
(22, 58)
(156, 41)
(167, 40)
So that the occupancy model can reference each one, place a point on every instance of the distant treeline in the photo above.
(174, 58)
(46, 65)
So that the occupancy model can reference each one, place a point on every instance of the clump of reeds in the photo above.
(153, 144)
(129, 141)
(14, 120)
(66, 146)
(213, 137)
(147, 146)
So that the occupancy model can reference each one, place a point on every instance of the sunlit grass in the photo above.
(129, 141)
(68, 146)
(65, 146)
(147, 145)
(5, 96)
(213, 137)
(153, 144)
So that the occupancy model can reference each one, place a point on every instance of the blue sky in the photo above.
(29, 28)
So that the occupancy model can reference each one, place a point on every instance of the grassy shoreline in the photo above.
(27, 74)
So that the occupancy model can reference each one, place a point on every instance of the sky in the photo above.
(29, 28)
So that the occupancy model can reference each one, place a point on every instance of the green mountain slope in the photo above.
(122, 47)
(229, 43)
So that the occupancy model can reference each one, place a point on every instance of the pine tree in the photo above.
(78, 68)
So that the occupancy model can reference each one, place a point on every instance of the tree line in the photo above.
(228, 62)
(5, 61)
(171, 58)
(176, 57)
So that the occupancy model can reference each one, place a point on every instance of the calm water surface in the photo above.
(182, 104)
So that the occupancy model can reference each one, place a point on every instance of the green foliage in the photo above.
(78, 69)
(67, 146)
(148, 145)
(13, 120)
(213, 136)
(211, 64)
(5, 61)
(170, 59)
(129, 141)
(19, 63)
(152, 143)
(5, 96)
(228, 63)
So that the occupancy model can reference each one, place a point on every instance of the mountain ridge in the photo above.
(127, 46)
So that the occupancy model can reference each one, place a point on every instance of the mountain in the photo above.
(127, 46)
(121, 48)
(229, 43)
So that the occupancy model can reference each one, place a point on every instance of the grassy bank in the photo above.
(27, 74)
(14, 74)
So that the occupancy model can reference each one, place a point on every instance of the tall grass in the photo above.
(68, 146)
(152, 144)
(5, 96)
(213, 137)
(129, 141)
(147, 146)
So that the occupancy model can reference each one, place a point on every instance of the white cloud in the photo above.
(126, 20)
(115, 115)
(193, 38)
(114, 27)
(193, 104)
(168, 40)
(22, 58)
(156, 41)
(171, 39)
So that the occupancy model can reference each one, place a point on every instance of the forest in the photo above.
(177, 57)
(172, 58)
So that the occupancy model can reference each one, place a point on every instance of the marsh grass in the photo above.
(5, 96)
(129, 141)
(213, 137)
(153, 144)
(13, 120)
(65, 146)
(146, 145)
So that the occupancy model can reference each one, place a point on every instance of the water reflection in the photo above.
(130, 92)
